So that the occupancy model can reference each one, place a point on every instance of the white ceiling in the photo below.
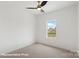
(50, 6)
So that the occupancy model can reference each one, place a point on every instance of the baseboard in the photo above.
(14, 48)
(74, 52)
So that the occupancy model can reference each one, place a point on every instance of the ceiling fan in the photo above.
(39, 6)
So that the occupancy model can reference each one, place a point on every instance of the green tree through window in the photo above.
(51, 28)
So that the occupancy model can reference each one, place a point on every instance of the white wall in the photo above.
(17, 27)
(78, 28)
(66, 28)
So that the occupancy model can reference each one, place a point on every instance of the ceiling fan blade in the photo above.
(42, 10)
(31, 8)
(43, 3)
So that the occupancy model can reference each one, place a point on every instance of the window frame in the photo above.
(47, 29)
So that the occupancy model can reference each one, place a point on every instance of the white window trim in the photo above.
(49, 38)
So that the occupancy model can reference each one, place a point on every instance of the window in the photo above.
(51, 28)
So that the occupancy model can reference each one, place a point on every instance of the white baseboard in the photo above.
(73, 51)
(14, 47)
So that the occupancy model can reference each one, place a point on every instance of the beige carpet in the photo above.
(40, 51)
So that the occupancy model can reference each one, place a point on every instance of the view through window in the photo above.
(51, 28)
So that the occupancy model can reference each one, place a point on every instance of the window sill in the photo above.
(51, 38)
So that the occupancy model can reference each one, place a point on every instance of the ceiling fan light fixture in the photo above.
(38, 8)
